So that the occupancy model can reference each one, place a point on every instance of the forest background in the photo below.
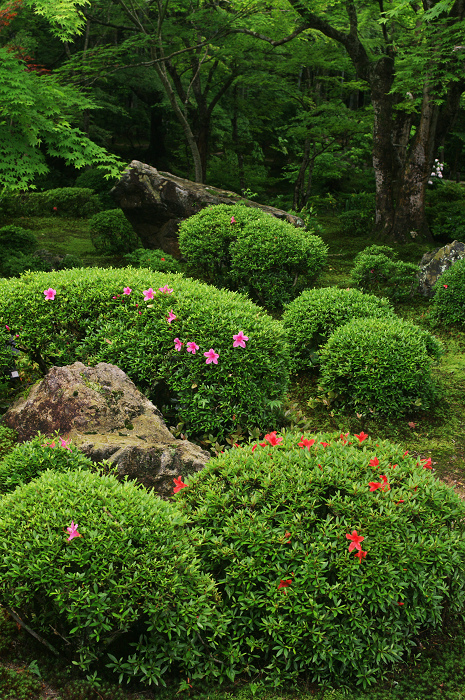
(290, 102)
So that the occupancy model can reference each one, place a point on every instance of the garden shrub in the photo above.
(92, 319)
(111, 232)
(63, 201)
(377, 270)
(445, 210)
(448, 305)
(125, 588)
(8, 439)
(156, 260)
(27, 460)
(278, 521)
(69, 262)
(95, 179)
(248, 250)
(316, 313)
(359, 215)
(15, 264)
(16, 239)
(380, 365)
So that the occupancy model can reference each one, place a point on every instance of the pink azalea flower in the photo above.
(273, 439)
(192, 347)
(50, 293)
(73, 531)
(211, 356)
(306, 443)
(179, 484)
(171, 317)
(127, 291)
(165, 289)
(239, 340)
(7, 327)
(64, 443)
(233, 220)
(355, 540)
(445, 286)
(177, 344)
(148, 294)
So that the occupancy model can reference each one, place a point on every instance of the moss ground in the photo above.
(26, 669)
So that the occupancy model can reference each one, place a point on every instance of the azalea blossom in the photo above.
(261, 444)
(211, 356)
(127, 290)
(7, 327)
(165, 289)
(374, 485)
(355, 540)
(287, 534)
(73, 531)
(306, 443)
(179, 484)
(445, 286)
(177, 344)
(361, 554)
(50, 293)
(148, 294)
(162, 258)
(64, 443)
(374, 462)
(427, 463)
(233, 220)
(239, 340)
(343, 437)
(171, 317)
(192, 347)
(363, 436)
(285, 584)
(325, 444)
(273, 439)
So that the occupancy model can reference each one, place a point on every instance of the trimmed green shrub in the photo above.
(15, 264)
(448, 305)
(279, 520)
(69, 262)
(126, 586)
(91, 319)
(250, 251)
(8, 439)
(316, 313)
(445, 210)
(156, 260)
(16, 239)
(377, 270)
(64, 201)
(111, 232)
(380, 365)
(27, 460)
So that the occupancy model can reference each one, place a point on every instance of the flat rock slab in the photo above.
(155, 203)
(107, 417)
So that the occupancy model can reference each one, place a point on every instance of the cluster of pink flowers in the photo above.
(62, 443)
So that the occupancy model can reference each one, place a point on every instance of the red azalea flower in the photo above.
(273, 439)
(262, 444)
(386, 486)
(179, 484)
(445, 286)
(343, 438)
(427, 463)
(363, 436)
(287, 534)
(361, 554)
(325, 444)
(401, 501)
(400, 603)
(285, 584)
(375, 485)
(405, 454)
(374, 462)
(162, 258)
(355, 540)
(306, 443)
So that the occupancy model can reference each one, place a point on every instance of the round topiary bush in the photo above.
(111, 232)
(208, 358)
(156, 260)
(316, 313)
(27, 460)
(332, 553)
(376, 269)
(104, 570)
(448, 305)
(379, 365)
(248, 250)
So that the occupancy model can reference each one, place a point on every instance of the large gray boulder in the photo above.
(106, 416)
(435, 263)
(155, 203)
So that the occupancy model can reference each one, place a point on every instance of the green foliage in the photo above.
(260, 255)
(316, 313)
(448, 305)
(379, 366)
(377, 270)
(15, 264)
(17, 239)
(69, 262)
(64, 201)
(111, 232)
(282, 513)
(8, 439)
(91, 320)
(36, 113)
(156, 260)
(129, 588)
(27, 460)
(445, 210)
(18, 685)
(96, 180)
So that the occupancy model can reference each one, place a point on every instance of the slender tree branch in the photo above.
(16, 617)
